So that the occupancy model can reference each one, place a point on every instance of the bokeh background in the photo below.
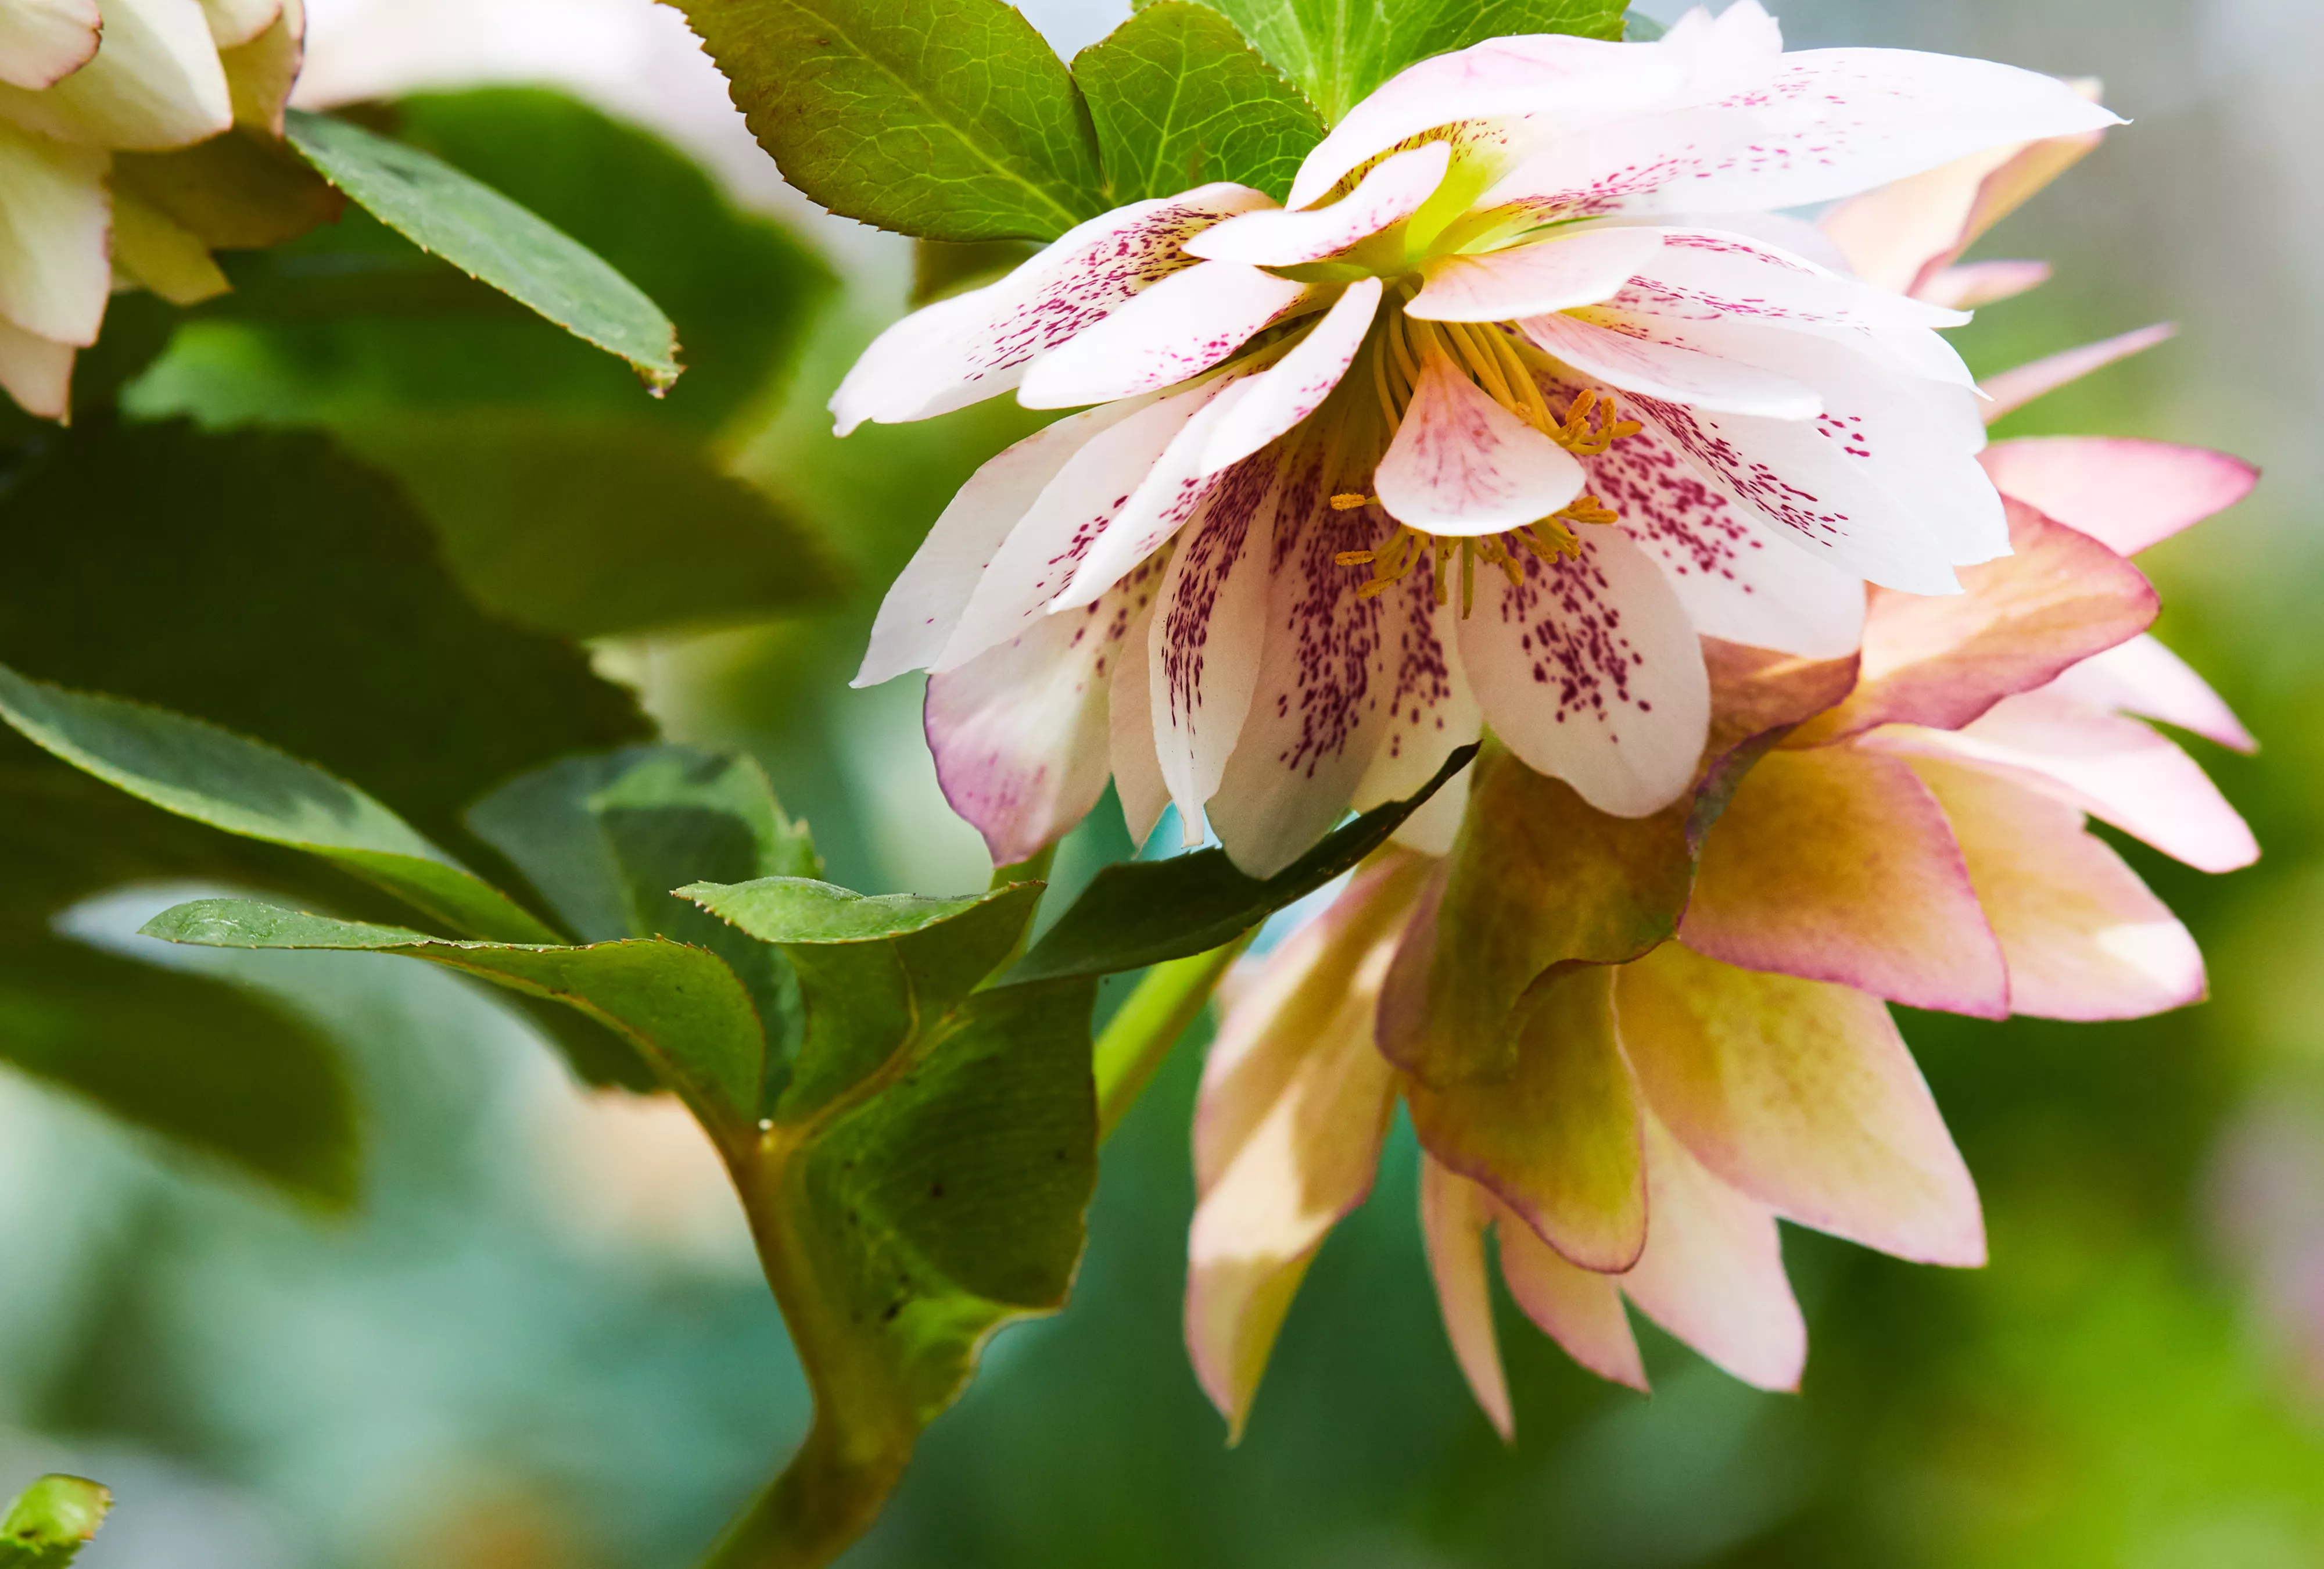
(542, 1341)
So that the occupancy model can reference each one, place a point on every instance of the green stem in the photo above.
(1140, 1035)
(824, 1499)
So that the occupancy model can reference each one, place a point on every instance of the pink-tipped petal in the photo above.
(2142, 677)
(1453, 1214)
(1802, 1095)
(1391, 192)
(1736, 579)
(1295, 386)
(1020, 734)
(2083, 938)
(1579, 1309)
(1294, 1103)
(1983, 284)
(42, 42)
(1589, 670)
(1038, 561)
(923, 608)
(1179, 327)
(2012, 390)
(1553, 274)
(154, 83)
(1712, 1273)
(2126, 493)
(974, 345)
(1461, 464)
(1837, 864)
(1905, 236)
(1202, 653)
(2111, 767)
(2020, 622)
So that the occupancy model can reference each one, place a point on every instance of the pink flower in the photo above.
(1633, 1115)
(1482, 430)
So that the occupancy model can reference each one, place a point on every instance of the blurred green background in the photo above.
(542, 1341)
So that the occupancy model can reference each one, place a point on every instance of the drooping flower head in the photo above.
(1483, 427)
(81, 81)
(1630, 1049)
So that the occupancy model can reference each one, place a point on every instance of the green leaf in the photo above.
(1179, 99)
(947, 119)
(681, 1007)
(491, 238)
(199, 770)
(1141, 912)
(1336, 51)
(243, 191)
(593, 526)
(213, 1065)
(51, 1521)
(605, 839)
(924, 1182)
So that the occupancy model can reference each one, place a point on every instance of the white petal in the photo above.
(44, 40)
(1316, 717)
(1553, 274)
(1827, 123)
(1392, 193)
(1884, 485)
(2144, 678)
(1461, 464)
(234, 22)
(1021, 733)
(1154, 512)
(1736, 578)
(963, 350)
(1295, 386)
(36, 372)
(2012, 390)
(2114, 768)
(1707, 274)
(155, 83)
(1634, 362)
(1591, 672)
(1204, 651)
(925, 606)
(1575, 76)
(1180, 328)
(55, 215)
(1036, 563)
(1430, 709)
(1130, 726)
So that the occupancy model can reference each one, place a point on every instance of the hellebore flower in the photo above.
(1482, 428)
(1633, 1114)
(79, 81)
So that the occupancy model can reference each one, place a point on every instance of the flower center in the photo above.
(1508, 370)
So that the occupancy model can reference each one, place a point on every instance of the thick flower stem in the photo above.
(865, 1426)
(1151, 1022)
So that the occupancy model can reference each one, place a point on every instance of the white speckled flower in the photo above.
(79, 81)
(1481, 429)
